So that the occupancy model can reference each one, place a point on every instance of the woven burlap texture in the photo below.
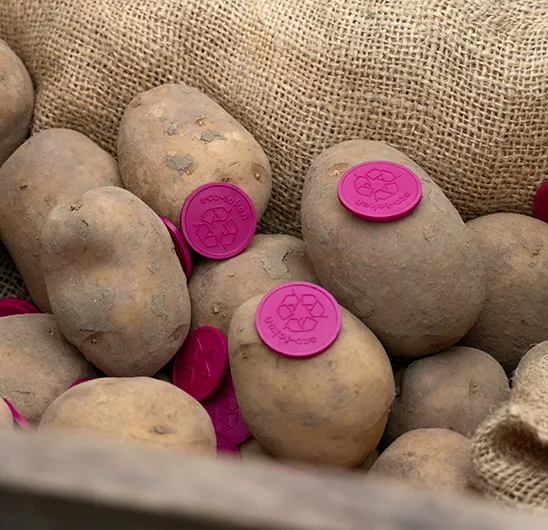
(459, 85)
(510, 449)
(11, 283)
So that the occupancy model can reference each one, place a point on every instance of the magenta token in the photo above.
(201, 363)
(540, 204)
(181, 248)
(19, 420)
(79, 381)
(225, 413)
(16, 306)
(380, 191)
(298, 319)
(218, 220)
(226, 445)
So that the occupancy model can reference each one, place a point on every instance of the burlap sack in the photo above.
(510, 449)
(11, 283)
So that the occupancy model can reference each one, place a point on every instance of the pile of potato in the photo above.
(453, 306)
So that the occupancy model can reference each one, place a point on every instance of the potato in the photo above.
(16, 102)
(329, 409)
(418, 282)
(455, 390)
(218, 288)
(174, 138)
(115, 284)
(367, 464)
(37, 364)
(6, 418)
(53, 167)
(514, 249)
(531, 377)
(137, 410)
(252, 450)
(435, 459)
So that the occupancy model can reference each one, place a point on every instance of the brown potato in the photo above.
(54, 167)
(329, 409)
(252, 450)
(16, 102)
(174, 138)
(427, 458)
(531, 377)
(37, 364)
(115, 284)
(514, 249)
(418, 282)
(218, 288)
(6, 419)
(455, 390)
(136, 410)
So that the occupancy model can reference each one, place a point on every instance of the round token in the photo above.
(226, 445)
(181, 248)
(298, 319)
(540, 204)
(19, 420)
(16, 306)
(225, 413)
(79, 381)
(380, 191)
(218, 220)
(201, 363)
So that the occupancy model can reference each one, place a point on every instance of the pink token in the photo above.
(80, 381)
(181, 248)
(540, 204)
(298, 319)
(218, 220)
(225, 413)
(201, 363)
(380, 191)
(226, 445)
(19, 420)
(16, 306)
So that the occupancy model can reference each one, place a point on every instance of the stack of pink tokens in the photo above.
(540, 204)
(201, 370)
(16, 306)
(181, 248)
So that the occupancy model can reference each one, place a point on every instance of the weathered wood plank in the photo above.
(61, 483)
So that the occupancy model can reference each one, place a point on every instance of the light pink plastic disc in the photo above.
(380, 191)
(181, 248)
(201, 364)
(80, 381)
(16, 306)
(225, 445)
(218, 220)
(298, 319)
(540, 204)
(225, 413)
(19, 420)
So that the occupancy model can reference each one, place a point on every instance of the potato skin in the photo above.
(116, 287)
(218, 288)
(531, 376)
(136, 410)
(455, 389)
(16, 102)
(329, 409)
(427, 458)
(174, 138)
(53, 167)
(418, 282)
(6, 418)
(514, 249)
(37, 364)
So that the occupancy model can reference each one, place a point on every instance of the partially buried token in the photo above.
(19, 420)
(181, 248)
(218, 220)
(540, 204)
(380, 191)
(201, 363)
(225, 413)
(79, 381)
(298, 319)
(16, 306)
(226, 445)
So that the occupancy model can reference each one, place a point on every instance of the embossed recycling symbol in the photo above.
(301, 313)
(217, 229)
(198, 362)
(227, 415)
(378, 183)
